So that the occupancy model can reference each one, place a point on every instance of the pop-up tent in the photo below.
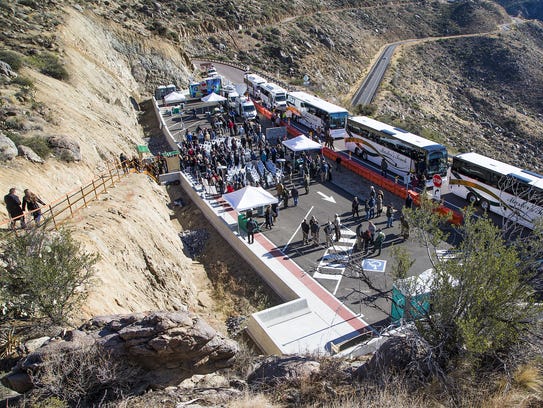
(301, 143)
(249, 197)
(213, 97)
(174, 97)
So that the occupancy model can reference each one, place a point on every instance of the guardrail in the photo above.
(68, 205)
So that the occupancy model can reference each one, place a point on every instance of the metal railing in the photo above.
(65, 207)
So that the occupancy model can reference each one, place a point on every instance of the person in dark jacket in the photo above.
(32, 202)
(13, 205)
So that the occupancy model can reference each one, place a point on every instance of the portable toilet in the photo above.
(411, 296)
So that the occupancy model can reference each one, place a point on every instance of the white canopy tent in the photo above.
(213, 97)
(174, 97)
(249, 197)
(301, 143)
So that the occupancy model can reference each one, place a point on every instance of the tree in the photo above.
(481, 298)
(43, 274)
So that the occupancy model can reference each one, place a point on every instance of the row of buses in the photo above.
(506, 190)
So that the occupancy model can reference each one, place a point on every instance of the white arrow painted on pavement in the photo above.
(326, 198)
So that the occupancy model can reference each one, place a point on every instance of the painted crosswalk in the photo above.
(336, 258)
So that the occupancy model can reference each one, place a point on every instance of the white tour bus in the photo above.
(506, 190)
(273, 96)
(405, 153)
(315, 113)
(253, 83)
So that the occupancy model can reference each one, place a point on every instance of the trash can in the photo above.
(242, 222)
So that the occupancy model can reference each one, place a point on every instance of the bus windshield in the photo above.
(337, 120)
(437, 162)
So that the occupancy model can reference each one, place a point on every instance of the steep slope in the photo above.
(466, 92)
(142, 265)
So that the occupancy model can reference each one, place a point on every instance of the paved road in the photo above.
(366, 92)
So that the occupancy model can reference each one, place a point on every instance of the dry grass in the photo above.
(252, 401)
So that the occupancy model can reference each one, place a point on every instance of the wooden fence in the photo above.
(65, 207)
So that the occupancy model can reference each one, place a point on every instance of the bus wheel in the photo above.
(472, 199)
(364, 155)
(485, 205)
(357, 152)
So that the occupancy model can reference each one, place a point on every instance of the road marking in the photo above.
(326, 198)
(297, 229)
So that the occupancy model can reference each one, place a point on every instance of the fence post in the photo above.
(69, 205)
(104, 183)
(94, 189)
(83, 196)
(53, 217)
(111, 177)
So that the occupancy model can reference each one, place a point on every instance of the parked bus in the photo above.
(315, 113)
(253, 83)
(506, 190)
(405, 153)
(273, 96)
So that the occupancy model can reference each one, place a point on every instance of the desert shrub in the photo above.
(39, 145)
(83, 377)
(12, 58)
(43, 274)
(49, 64)
(23, 82)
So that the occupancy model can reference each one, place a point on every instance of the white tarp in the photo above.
(174, 97)
(301, 143)
(213, 97)
(249, 197)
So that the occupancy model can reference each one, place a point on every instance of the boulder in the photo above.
(8, 149)
(65, 148)
(409, 355)
(29, 154)
(169, 347)
(275, 370)
(5, 69)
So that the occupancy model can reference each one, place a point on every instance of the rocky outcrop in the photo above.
(29, 154)
(5, 69)
(275, 370)
(409, 355)
(169, 347)
(65, 148)
(8, 149)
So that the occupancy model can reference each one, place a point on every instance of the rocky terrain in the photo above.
(75, 74)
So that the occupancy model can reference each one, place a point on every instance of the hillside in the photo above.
(88, 66)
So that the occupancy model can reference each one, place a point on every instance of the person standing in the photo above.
(372, 229)
(408, 201)
(295, 194)
(32, 202)
(337, 227)
(306, 183)
(390, 214)
(371, 205)
(268, 216)
(378, 243)
(314, 225)
(285, 197)
(380, 196)
(252, 226)
(355, 207)
(384, 167)
(328, 231)
(305, 231)
(13, 205)
(359, 235)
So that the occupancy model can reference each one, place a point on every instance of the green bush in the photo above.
(23, 81)
(39, 145)
(42, 274)
(12, 58)
(49, 64)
